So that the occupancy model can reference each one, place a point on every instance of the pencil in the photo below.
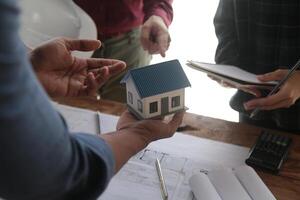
(277, 87)
(163, 187)
(98, 121)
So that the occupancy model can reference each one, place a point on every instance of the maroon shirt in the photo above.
(113, 17)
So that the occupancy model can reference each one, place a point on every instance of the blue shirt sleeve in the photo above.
(39, 158)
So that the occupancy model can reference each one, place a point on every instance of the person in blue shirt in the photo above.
(39, 158)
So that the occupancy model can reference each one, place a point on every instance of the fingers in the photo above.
(166, 130)
(145, 37)
(221, 82)
(176, 121)
(75, 88)
(281, 104)
(126, 120)
(156, 42)
(164, 43)
(115, 65)
(82, 45)
(95, 80)
(155, 37)
(112, 67)
(214, 78)
(226, 84)
(251, 90)
(285, 103)
(116, 68)
(246, 88)
(272, 76)
(151, 129)
(153, 48)
(128, 115)
(102, 77)
(99, 62)
(91, 85)
(270, 102)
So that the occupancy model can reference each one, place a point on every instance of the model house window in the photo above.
(140, 106)
(130, 99)
(153, 107)
(175, 101)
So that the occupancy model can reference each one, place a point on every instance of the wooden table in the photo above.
(286, 185)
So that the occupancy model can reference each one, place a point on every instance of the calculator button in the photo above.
(285, 141)
(269, 151)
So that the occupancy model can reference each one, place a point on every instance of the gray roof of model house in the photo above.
(158, 78)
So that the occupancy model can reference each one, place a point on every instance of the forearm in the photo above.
(162, 9)
(125, 144)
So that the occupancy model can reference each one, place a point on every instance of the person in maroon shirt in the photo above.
(130, 30)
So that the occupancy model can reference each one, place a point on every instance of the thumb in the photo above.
(272, 76)
(145, 37)
(82, 45)
(176, 121)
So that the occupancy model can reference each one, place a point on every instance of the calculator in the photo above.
(269, 151)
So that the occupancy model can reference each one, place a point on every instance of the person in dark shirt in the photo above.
(130, 31)
(262, 37)
(39, 157)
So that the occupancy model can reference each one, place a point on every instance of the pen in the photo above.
(276, 88)
(98, 123)
(163, 187)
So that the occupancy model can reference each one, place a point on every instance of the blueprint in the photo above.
(181, 157)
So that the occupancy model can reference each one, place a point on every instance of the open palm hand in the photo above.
(63, 74)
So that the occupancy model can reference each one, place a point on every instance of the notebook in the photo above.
(241, 183)
(231, 74)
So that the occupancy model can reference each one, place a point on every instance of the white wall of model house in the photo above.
(157, 98)
(130, 87)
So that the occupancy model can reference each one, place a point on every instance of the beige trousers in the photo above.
(127, 48)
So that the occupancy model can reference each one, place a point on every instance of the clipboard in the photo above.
(232, 75)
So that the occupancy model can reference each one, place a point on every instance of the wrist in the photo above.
(125, 143)
(141, 138)
(139, 134)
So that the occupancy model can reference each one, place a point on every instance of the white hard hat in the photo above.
(42, 20)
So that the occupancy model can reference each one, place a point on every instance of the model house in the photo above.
(156, 90)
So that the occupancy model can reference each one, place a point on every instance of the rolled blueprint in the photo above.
(252, 182)
(202, 187)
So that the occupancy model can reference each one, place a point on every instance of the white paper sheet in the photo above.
(138, 181)
(181, 156)
(87, 120)
(108, 123)
(79, 120)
